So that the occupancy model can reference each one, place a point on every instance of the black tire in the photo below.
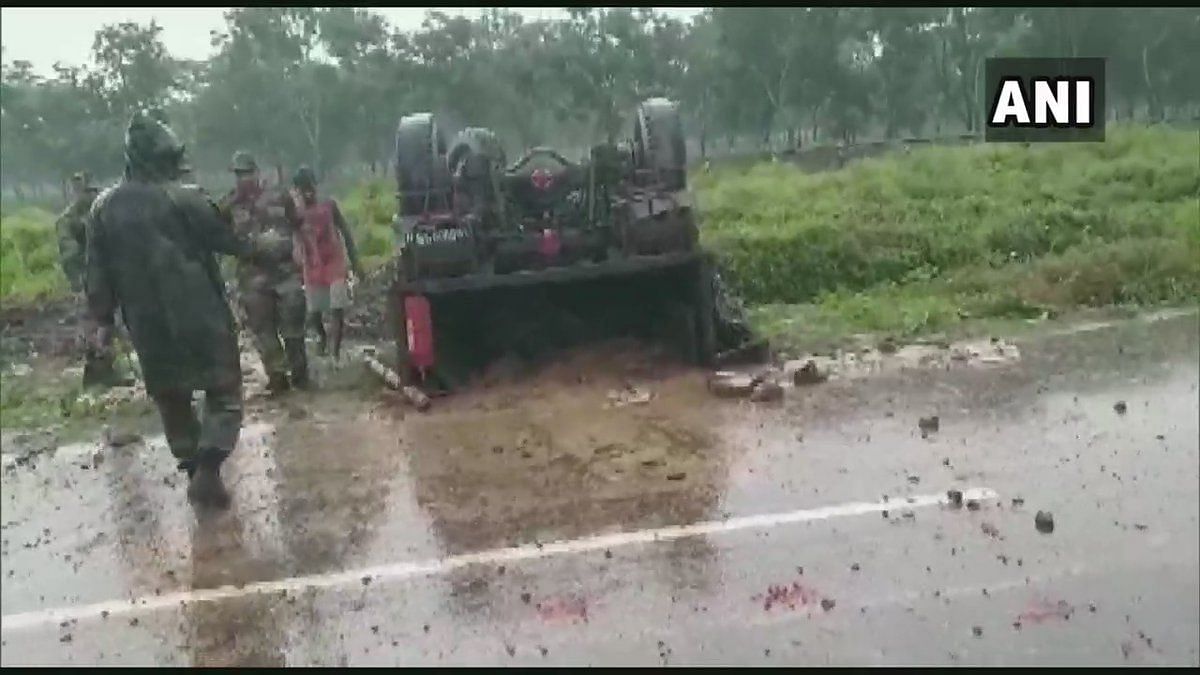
(658, 142)
(420, 147)
(479, 142)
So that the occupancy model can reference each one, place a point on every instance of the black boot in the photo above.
(277, 383)
(205, 489)
(187, 466)
(297, 361)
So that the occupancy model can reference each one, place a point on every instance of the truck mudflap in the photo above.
(418, 319)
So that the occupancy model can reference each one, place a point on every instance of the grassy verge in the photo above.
(945, 238)
(47, 393)
(29, 269)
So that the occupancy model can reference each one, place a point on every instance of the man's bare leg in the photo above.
(319, 326)
(339, 317)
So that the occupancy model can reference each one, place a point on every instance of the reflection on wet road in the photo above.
(540, 523)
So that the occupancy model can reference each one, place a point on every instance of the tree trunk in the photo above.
(1153, 105)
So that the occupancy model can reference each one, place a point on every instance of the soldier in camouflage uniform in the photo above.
(99, 368)
(270, 290)
(72, 241)
(150, 249)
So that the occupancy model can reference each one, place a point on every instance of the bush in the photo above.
(29, 266)
(789, 237)
(369, 208)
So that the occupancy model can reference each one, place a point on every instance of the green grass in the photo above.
(51, 395)
(908, 245)
(29, 268)
(905, 244)
(29, 265)
(369, 209)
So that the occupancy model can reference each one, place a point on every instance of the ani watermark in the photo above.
(1044, 100)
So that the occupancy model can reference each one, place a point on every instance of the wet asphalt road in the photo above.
(536, 524)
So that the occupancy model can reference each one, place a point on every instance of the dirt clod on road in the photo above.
(809, 374)
(1044, 522)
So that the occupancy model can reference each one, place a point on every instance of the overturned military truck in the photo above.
(496, 259)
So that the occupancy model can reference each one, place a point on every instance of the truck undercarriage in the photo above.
(494, 259)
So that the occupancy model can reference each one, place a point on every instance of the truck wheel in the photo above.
(420, 147)
(475, 156)
(476, 142)
(658, 142)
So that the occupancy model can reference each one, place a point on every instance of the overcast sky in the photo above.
(45, 35)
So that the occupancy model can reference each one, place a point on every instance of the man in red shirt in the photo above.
(326, 247)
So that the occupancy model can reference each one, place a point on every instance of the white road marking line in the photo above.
(405, 570)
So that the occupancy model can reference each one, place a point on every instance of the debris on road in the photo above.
(972, 504)
(928, 425)
(790, 596)
(628, 395)
(730, 385)
(563, 609)
(1042, 610)
(767, 391)
(809, 374)
(415, 397)
(1120, 407)
(1044, 522)
(977, 631)
(990, 530)
(120, 439)
(955, 497)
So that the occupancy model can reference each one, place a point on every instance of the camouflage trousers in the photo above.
(270, 314)
(209, 438)
(99, 357)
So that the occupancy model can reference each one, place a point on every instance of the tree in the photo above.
(326, 86)
(132, 67)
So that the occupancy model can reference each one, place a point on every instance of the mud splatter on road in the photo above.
(524, 473)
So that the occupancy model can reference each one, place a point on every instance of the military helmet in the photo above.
(151, 145)
(304, 178)
(243, 162)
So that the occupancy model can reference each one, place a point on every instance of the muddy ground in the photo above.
(608, 509)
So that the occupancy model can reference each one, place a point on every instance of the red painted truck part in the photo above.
(419, 326)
